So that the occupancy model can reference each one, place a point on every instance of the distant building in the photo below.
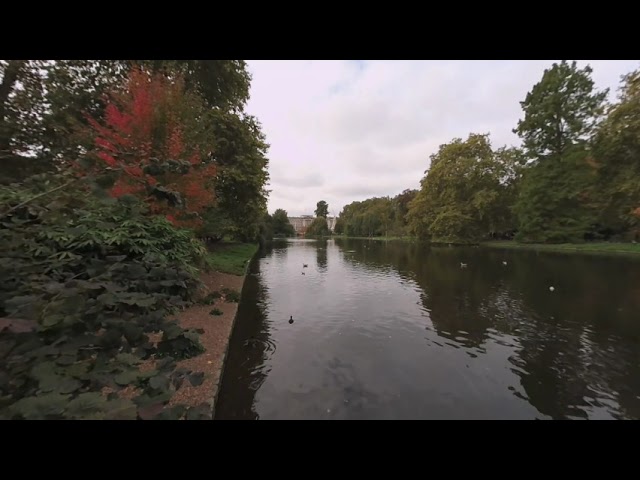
(300, 224)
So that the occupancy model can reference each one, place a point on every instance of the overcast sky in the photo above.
(342, 131)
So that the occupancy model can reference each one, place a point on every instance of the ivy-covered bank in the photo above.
(96, 307)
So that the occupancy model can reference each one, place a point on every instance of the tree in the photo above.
(266, 230)
(322, 209)
(556, 202)
(149, 148)
(239, 150)
(75, 89)
(21, 109)
(239, 145)
(370, 218)
(560, 111)
(617, 152)
(463, 195)
(281, 224)
(44, 104)
(43, 107)
(223, 84)
(318, 228)
(401, 208)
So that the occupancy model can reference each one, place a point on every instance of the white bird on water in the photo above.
(463, 265)
(551, 289)
(504, 263)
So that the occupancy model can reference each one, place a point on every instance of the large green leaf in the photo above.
(196, 379)
(201, 412)
(49, 405)
(173, 413)
(127, 377)
(127, 359)
(86, 404)
(160, 382)
(68, 385)
(120, 409)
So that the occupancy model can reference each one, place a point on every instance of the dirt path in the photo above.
(215, 339)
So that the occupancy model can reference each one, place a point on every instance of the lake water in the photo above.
(394, 330)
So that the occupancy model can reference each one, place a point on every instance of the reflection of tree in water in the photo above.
(381, 255)
(279, 250)
(321, 254)
(579, 343)
(248, 352)
(452, 295)
(455, 296)
(574, 346)
(566, 357)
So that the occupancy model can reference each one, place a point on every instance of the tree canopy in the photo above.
(281, 224)
(322, 209)
(463, 196)
(49, 112)
(575, 178)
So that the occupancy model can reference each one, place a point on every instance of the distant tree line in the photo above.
(278, 224)
(576, 177)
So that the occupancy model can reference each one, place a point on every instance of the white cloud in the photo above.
(343, 130)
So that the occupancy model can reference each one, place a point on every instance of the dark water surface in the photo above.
(393, 330)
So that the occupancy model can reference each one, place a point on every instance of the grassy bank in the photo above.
(596, 247)
(228, 257)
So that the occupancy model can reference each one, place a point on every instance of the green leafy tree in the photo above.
(22, 107)
(75, 90)
(266, 230)
(281, 224)
(560, 111)
(556, 198)
(223, 84)
(322, 209)
(401, 208)
(318, 228)
(556, 202)
(378, 216)
(240, 151)
(617, 152)
(463, 195)
(94, 278)
(43, 111)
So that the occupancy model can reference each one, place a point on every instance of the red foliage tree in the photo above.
(142, 141)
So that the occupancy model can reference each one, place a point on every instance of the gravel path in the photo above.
(215, 339)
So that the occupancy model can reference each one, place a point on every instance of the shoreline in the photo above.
(217, 330)
(596, 248)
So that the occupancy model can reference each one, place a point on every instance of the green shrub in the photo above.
(89, 279)
(230, 295)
